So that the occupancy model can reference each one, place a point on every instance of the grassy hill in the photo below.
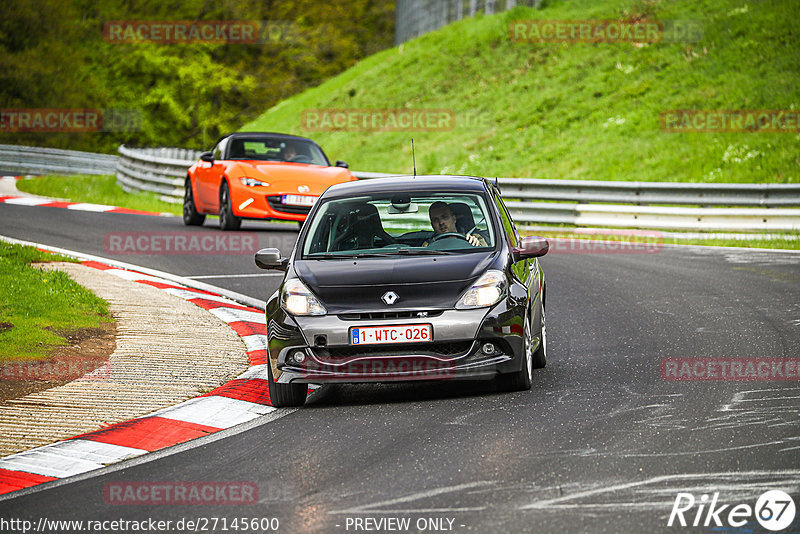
(575, 110)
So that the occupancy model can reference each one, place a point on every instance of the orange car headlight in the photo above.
(252, 182)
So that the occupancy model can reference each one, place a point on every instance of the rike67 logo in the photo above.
(774, 510)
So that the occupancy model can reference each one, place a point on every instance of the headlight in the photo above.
(252, 182)
(486, 291)
(297, 299)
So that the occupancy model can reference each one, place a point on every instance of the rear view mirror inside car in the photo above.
(402, 204)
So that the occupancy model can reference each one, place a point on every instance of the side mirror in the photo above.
(207, 156)
(531, 247)
(270, 258)
(340, 163)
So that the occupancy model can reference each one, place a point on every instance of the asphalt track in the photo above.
(602, 443)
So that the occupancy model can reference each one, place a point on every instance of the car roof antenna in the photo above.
(413, 157)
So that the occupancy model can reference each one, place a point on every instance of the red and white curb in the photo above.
(24, 200)
(242, 399)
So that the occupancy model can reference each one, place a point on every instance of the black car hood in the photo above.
(421, 282)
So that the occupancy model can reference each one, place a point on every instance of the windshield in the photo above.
(277, 149)
(400, 224)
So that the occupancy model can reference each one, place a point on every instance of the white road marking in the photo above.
(255, 342)
(215, 411)
(255, 371)
(135, 277)
(187, 294)
(231, 315)
(67, 458)
(81, 206)
(371, 508)
(27, 201)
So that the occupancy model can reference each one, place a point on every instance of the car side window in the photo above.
(508, 224)
(219, 150)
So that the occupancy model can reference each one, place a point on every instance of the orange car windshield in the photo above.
(276, 149)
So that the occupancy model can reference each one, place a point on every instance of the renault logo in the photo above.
(303, 189)
(390, 297)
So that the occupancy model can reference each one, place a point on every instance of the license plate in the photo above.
(298, 200)
(406, 333)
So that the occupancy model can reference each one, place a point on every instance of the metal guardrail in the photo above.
(748, 207)
(759, 207)
(700, 194)
(682, 193)
(157, 170)
(16, 159)
(648, 205)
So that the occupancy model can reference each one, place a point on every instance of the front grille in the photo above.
(389, 315)
(442, 349)
(275, 203)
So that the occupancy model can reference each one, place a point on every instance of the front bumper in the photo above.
(254, 203)
(456, 352)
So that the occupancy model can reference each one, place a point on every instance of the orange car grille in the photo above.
(275, 204)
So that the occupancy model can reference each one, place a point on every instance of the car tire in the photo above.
(227, 220)
(285, 395)
(190, 215)
(540, 356)
(520, 380)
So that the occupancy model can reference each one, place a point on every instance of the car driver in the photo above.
(289, 152)
(444, 222)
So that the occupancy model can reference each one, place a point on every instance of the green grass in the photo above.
(39, 303)
(96, 190)
(574, 111)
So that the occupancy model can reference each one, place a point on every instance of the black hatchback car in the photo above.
(407, 278)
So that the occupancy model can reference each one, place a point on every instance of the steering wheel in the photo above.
(448, 234)
(300, 158)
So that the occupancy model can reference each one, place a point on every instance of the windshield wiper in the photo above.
(423, 252)
(329, 257)
(396, 252)
(347, 256)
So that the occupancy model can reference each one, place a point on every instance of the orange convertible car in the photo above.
(258, 176)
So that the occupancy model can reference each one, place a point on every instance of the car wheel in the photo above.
(227, 220)
(190, 215)
(540, 356)
(522, 379)
(285, 395)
